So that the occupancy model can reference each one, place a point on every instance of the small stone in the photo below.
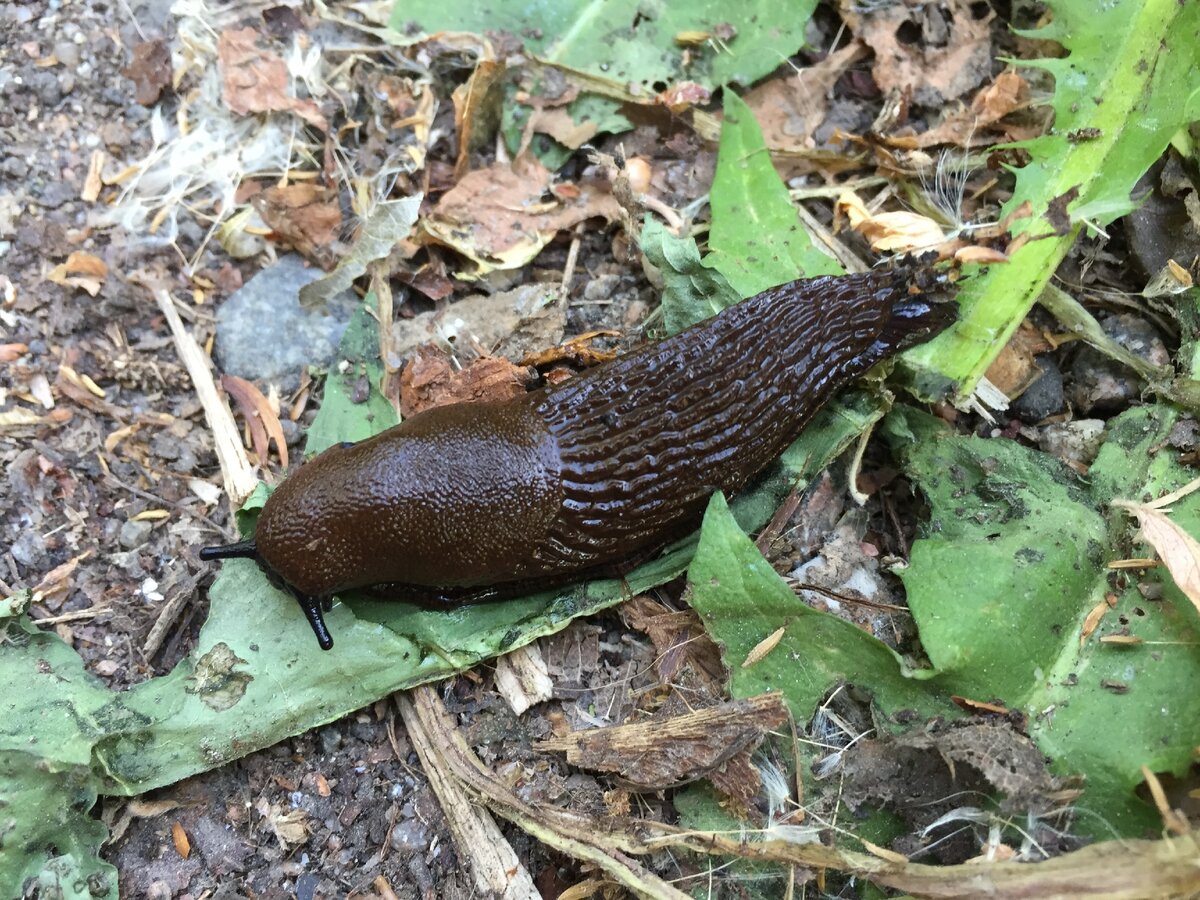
(411, 834)
(264, 333)
(602, 287)
(1078, 441)
(29, 550)
(1045, 396)
(1103, 385)
(134, 533)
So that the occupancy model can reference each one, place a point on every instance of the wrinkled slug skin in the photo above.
(586, 474)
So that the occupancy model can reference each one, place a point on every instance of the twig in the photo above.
(236, 470)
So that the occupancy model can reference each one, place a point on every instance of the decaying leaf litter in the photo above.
(426, 166)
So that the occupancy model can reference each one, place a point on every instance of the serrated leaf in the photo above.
(1131, 73)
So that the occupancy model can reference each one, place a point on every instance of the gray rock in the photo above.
(1103, 385)
(29, 550)
(1045, 396)
(135, 533)
(263, 333)
(1078, 441)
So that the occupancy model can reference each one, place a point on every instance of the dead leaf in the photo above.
(949, 54)
(890, 232)
(477, 110)
(256, 81)
(81, 270)
(149, 70)
(661, 753)
(260, 417)
(557, 123)
(179, 837)
(789, 109)
(305, 216)
(577, 351)
(429, 381)
(1180, 551)
(500, 218)
(972, 125)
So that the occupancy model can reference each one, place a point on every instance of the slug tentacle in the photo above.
(491, 500)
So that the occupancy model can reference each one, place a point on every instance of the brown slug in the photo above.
(463, 502)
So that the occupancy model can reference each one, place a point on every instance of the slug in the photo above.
(470, 501)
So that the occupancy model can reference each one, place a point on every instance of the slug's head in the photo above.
(312, 607)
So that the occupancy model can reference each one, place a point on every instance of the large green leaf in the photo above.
(757, 240)
(1130, 80)
(1013, 560)
(631, 41)
(51, 713)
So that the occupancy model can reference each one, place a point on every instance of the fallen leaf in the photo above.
(305, 216)
(149, 70)
(429, 381)
(477, 107)
(789, 109)
(81, 270)
(256, 81)
(659, 753)
(262, 419)
(948, 54)
(500, 218)
(1180, 551)
(890, 232)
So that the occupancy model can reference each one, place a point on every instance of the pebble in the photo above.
(1045, 396)
(134, 533)
(1103, 385)
(1078, 441)
(263, 333)
(29, 550)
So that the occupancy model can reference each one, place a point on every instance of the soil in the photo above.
(103, 504)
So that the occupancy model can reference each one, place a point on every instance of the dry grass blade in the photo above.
(1180, 551)
(236, 470)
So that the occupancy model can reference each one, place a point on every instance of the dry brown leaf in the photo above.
(149, 70)
(951, 54)
(577, 351)
(970, 126)
(261, 418)
(1180, 551)
(890, 232)
(500, 218)
(789, 109)
(557, 123)
(984, 256)
(256, 81)
(81, 270)
(477, 110)
(429, 380)
(305, 215)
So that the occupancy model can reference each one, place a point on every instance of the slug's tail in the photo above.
(240, 550)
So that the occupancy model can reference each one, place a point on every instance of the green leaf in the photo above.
(51, 715)
(1131, 72)
(353, 408)
(691, 291)
(631, 41)
(757, 240)
(743, 601)
(1013, 560)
